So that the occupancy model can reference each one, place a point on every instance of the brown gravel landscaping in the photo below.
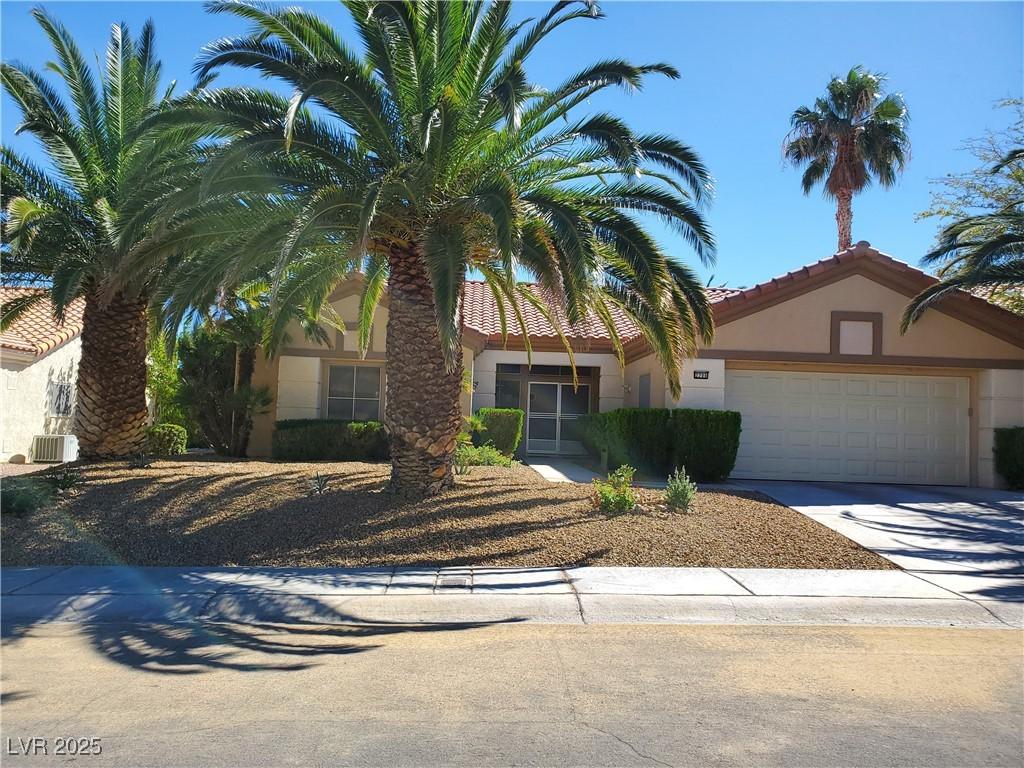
(223, 512)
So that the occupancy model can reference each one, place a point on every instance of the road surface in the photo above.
(514, 694)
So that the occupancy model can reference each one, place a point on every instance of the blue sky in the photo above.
(745, 67)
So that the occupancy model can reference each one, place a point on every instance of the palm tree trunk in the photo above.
(110, 409)
(844, 218)
(422, 413)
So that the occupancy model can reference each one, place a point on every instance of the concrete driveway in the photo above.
(968, 540)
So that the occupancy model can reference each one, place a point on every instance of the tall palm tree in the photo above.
(74, 227)
(851, 136)
(428, 154)
(985, 251)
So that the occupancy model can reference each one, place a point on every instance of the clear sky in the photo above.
(745, 67)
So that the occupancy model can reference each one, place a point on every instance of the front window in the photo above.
(506, 393)
(60, 398)
(353, 393)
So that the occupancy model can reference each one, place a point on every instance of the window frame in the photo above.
(52, 399)
(326, 389)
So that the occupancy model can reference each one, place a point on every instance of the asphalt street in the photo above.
(512, 694)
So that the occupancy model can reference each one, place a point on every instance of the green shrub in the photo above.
(659, 439)
(502, 428)
(680, 490)
(329, 439)
(166, 440)
(1010, 456)
(615, 496)
(468, 455)
(24, 495)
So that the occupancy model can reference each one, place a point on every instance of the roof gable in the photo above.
(864, 260)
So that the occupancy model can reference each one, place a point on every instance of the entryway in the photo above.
(553, 417)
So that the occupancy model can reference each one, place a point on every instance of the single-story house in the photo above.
(39, 358)
(813, 360)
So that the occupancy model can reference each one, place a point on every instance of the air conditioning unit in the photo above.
(54, 448)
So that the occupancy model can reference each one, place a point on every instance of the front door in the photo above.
(552, 418)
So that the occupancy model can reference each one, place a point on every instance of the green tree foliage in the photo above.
(208, 392)
(424, 153)
(982, 190)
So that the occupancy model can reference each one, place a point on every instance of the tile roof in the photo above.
(36, 332)
(481, 314)
(861, 251)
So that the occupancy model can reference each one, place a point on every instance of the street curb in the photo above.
(103, 594)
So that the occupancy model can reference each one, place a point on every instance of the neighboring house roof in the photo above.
(36, 331)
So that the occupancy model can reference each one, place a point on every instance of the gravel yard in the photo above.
(223, 512)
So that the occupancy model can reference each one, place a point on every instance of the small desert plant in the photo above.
(615, 496)
(318, 485)
(482, 456)
(680, 490)
(24, 495)
(140, 461)
(460, 465)
(62, 480)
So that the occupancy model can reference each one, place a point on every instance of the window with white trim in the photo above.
(60, 398)
(353, 392)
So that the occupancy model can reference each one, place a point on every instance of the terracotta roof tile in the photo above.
(36, 331)
(481, 315)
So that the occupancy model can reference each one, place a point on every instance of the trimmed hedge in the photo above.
(1010, 456)
(166, 440)
(503, 428)
(329, 439)
(658, 440)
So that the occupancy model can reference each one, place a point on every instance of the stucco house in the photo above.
(813, 360)
(39, 358)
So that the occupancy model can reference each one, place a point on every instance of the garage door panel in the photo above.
(855, 427)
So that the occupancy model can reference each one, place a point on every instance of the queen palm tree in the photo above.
(851, 136)
(73, 228)
(985, 251)
(430, 153)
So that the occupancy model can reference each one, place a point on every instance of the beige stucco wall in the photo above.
(1000, 403)
(637, 368)
(264, 375)
(347, 308)
(803, 324)
(25, 389)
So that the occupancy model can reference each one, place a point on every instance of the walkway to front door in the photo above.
(553, 417)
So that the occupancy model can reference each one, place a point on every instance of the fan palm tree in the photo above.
(851, 136)
(74, 227)
(427, 154)
(978, 252)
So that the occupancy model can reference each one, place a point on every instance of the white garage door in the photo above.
(850, 427)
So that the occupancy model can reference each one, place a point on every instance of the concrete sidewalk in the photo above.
(585, 595)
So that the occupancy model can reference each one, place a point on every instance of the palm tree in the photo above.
(76, 227)
(851, 136)
(985, 251)
(429, 154)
